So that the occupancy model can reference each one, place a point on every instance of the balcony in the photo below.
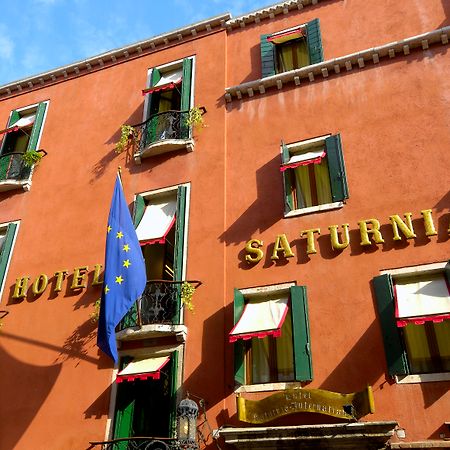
(156, 314)
(14, 173)
(163, 132)
(136, 443)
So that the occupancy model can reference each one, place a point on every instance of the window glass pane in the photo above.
(260, 360)
(2, 238)
(285, 355)
(302, 187)
(322, 182)
(292, 55)
(442, 331)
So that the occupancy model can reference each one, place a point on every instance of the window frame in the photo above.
(336, 170)
(394, 344)
(313, 42)
(301, 340)
(7, 250)
(41, 110)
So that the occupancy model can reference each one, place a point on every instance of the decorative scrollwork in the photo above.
(12, 167)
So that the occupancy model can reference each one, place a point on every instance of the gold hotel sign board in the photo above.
(290, 401)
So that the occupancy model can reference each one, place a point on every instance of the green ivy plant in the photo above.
(187, 291)
(195, 118)
(127, 132)
(32, 158)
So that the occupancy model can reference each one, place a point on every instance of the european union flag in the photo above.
(125, 277)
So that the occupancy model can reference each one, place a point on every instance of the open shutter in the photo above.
(139, 209)
(336, 168)
(395, 353)
(152, 106)
(300, 333)
(267, 57)
(186, 85)
(287, 180)
(15, 116)
(173, 392)
(35, 132)
(314, 41)
(5, 251)
(239, 345)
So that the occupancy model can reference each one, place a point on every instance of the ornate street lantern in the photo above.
(187, 413)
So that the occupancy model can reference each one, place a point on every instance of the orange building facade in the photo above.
(291, 165)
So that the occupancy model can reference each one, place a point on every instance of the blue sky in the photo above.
(40, 35)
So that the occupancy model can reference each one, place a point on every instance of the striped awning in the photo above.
(156, 222)
(168, 80)
(304, 159)
(142, 369)
(422, 299)
(260, 319)
(23, 122)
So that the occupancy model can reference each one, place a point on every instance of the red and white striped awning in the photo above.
(287, 35)
(142, 369)
(304, 159)
(260, 319)
(168, 80)
(426, 299)
(23, 122)
(156, 222)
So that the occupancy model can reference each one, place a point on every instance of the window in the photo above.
(160, 221)
(146, 396)
(291, 49)
(7, 236)
(414, 311)
(271, 335)
(22, 133)
(313, 174)
(168, 101)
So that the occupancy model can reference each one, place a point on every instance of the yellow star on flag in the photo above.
(126, 263)
(119, 279)
(107, 289)
(109, 228)
(126, 248)
(119, 235)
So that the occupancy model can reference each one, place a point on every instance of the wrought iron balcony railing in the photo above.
(160, 303)
(167, 125)
(136, 443)
(12, 167)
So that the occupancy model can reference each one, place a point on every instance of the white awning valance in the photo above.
(141, 369)
(23, 122)
(260, 319)
(168, 80)
(287, 35)
(303, 159)
(156, 222)
(422, 300)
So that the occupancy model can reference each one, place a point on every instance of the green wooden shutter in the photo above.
(155, 76)
(173, 393)
(300, 334)
(15, 116)
(139, 209)
(267, 57)
(336, 168)
(397, 362)
(35, 132)
(179, 244)
(5, 251)
(287, 180)
(239, 345)
(314, 41)
(186, 85)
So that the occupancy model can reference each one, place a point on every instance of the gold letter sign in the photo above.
(290, 401)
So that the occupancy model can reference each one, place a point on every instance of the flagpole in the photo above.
(119, 172)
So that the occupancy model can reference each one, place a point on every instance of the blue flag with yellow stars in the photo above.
(125, 276)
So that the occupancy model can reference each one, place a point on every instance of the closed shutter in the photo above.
(139, 209)
(267, 57)
(239, 346)
(35, 132)
(396, 358)
(287, 180)
(336, 168)
(300, 334)
(179, 244)
(173, 393)
(6, 250)
(314, 40)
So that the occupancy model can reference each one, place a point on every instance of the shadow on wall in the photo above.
(19, 408)
(446, 8)
(261, 214)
